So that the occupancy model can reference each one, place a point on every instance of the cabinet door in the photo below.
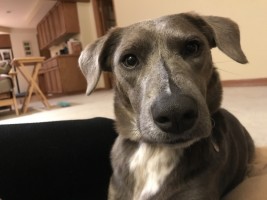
(40, 37)
(70, 17)
(58, 17)
(47, 31)
(72, 79)
(55, 82)
(47, 77)
(52, 27)
(43, 33)
(65, 16)
(55, 19)
(5, 41)
(48, 82)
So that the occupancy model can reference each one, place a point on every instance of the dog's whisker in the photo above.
(229, 72)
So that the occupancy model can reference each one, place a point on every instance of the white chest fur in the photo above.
(150, 165)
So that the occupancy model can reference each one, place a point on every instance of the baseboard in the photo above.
(245, 82)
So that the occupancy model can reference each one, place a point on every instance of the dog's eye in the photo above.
(191, 48)
(130, 61)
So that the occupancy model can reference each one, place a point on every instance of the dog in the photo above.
(174, 140)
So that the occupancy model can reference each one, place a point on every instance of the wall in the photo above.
(87, 23)
(17, 37)
(250, 15)
(4, 30)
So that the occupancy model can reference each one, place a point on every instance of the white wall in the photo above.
(87, 23)
(250, 15)
(17, 37)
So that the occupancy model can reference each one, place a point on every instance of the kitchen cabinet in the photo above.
(61, 75)
(76, 0)
(60, 23)
(5, 41)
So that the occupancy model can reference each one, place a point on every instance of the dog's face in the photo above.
(166, 87)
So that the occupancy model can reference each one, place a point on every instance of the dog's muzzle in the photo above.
(174, 113)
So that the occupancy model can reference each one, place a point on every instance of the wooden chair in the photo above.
(7, 93)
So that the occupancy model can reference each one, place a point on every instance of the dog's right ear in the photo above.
(97, 57)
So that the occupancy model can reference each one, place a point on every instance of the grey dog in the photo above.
(174, 141)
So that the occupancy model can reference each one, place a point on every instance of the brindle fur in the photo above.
(202, 163)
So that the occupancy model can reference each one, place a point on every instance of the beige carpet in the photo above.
(247, 103)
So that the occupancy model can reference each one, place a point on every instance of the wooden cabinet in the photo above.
(62, 75)
(76, 0)
(5, 41)
(60, 23)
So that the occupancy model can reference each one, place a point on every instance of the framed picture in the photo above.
(27, 48)
(6, 55)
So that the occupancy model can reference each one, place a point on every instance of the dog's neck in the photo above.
(150, 166)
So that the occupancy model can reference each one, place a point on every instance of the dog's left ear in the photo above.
(96, 58)
(227, 37)
(221, 32)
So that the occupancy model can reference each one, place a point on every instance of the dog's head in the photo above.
(166, 87)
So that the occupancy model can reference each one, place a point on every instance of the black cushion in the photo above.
(56, 160)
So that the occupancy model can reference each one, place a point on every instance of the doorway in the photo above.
(105, 19)
(104, 16)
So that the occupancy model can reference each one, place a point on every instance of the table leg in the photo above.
(27, 99)
(31, 79)
(36, 86)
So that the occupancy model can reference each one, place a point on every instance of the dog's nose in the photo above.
(175, 113)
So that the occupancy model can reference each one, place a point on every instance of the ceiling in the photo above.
(23, 13)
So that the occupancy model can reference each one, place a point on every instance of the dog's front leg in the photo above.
(114, 193)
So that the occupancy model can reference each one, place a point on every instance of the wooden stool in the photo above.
(21, 64)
